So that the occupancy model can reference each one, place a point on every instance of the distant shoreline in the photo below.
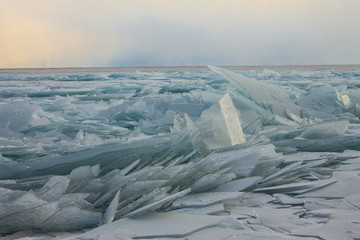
(42, 71)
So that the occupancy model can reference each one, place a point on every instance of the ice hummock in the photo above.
(250, 155)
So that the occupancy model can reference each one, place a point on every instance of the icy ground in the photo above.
(195, 155)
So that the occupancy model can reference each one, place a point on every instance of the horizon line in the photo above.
(279, 68)
(187, 66)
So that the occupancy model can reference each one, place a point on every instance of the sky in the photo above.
(134, 33)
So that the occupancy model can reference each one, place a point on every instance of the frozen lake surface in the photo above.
(250, 154)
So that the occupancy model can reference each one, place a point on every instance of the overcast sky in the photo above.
(84, 33)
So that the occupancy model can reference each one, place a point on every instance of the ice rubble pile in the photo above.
(222, 155)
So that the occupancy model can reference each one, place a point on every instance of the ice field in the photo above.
(211, 154)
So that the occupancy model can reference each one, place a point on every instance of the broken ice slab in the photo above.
(22, 203)
(145, 199)
(252, 199)
(136, 189)
(38, 121)
(128, 169)
(329, 144)
(209, 181)
(15, 115)
(327, 128)
(8, 195)
(345, 183)
(328, 207)
(276, 132)
(204, 199)
(101, 198)
(238, 185)
(110, 212)
(353, 199)
(282, 220)
(260, 92)
(181, 159)
(180, 122)
(221, 125)
(254, 127)
(156, 225)
(309, 156)
(255, 160)
(84, 138)
(242, 162)
(113, 180)
(343, 99)
(228, 229)
(28, 211)
(8, 135)
(75, 199)
(25, 184)
(268, 162)
(208, 96)
(268, 180)
(257, 232)
(54, 188)
(192, 109)
(80, 176)
(145, 148)
(24, 212)
(231, 120)
(348, 154)
(250, 109)
(277, 120)
(10, 169)
(148, 126)
(355, 101)
(349, 165)
(250, 87)
(71, 218)
(333, 230)
(288, 200)
(321, 102)
(207, 210)
(296, 187)
(159, 203)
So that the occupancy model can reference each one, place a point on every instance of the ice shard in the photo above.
(238, 185)
(327, 128)
(54, 188)
(220, 125)
(204, 199)
(265, 95)
(231, 119)
(109, 215)
(15, 115)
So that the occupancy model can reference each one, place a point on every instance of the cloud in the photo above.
(32, 39)
(28, 42)
(157, 32)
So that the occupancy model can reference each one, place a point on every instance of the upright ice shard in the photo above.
(220, 125)
(231, 119)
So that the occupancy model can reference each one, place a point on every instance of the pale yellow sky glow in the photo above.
(81, 33)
